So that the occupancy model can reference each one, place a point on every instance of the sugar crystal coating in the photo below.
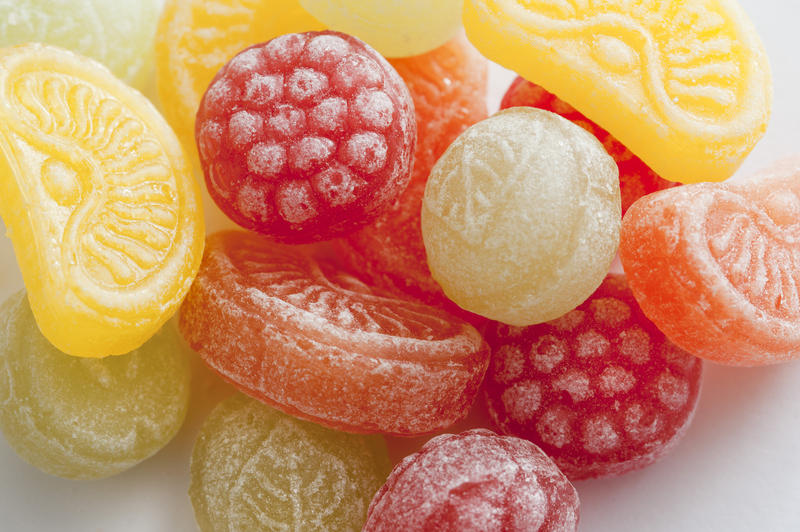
(293, 118)
(601, 389)
(475, 481)
(521, 216)
(87, 418)
(314, 341)
(254, 468)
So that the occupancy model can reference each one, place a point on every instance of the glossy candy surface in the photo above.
(475, 481)
(310, 339)
(521, 217)
(600, 389)
(84, 418)
(99, 201)
(254, 468)
(716, 266)
(685, 85)
(306, 137)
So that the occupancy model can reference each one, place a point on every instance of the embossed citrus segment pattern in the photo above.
(100, 163)
(686, 55)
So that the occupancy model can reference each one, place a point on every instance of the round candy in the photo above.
(600, 389)
(310, 339)
(85, 418)
(475, 481)
(395, 28)
(99, 200)
(118, 34)
(254, 468)
(521, 217)
(306, 137)
(636, 179)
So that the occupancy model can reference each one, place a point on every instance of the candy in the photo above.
(85, 418)
(197, 37)
(306, 137)
(716, 266)
(600, 389)
(315, 342)
(636, 179)
(395, 29)
(119, 34)
(99, 202)
(521, 217)
(685, 85)
(254, 468)
(477, 481)
(448, 86)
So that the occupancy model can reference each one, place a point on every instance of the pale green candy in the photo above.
(87, 418)
(254, 468)
(119, 33)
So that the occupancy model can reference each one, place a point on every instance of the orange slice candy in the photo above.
(99, 202)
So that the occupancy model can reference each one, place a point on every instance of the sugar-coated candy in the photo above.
(254, 468)
(448, 86)
(307, 337)
(395, 28)
(521, 217)
(717, 266)
(87, 418)
(475, 481)
(118, 34)
(99, 201)
(197, 37)
(306, 137)
(600, 389)
(636, 179)
(685, 85)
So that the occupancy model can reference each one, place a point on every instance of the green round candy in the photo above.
(86, 418)
(255, 468)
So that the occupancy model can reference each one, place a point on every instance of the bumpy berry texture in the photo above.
(118, 34)
(600, 389)
(636, 179)
(310, 339)
(521, 217)
(196, 38)
(395, 29)
(448, 86)
(476, 481)
(306, 137)
(254, 468)
(99, 199)
(685, 85)
(84, 418)
(716, 266)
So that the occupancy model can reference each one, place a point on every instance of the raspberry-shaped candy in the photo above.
(306, 137)
(600, 389)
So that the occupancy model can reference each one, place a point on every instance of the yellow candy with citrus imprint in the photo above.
(99, 201)
(196, 38)
(685, 85)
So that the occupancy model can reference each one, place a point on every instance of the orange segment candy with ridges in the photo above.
(312, 340)
(684, 84)
(716, 266)
(99, 201)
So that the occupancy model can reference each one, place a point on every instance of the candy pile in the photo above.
(452, 256)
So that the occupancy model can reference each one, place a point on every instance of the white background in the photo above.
(738, 469)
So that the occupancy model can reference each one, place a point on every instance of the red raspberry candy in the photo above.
(313, 341)
(636, 179)
(475, 481)
(306, 137)
(600, 389)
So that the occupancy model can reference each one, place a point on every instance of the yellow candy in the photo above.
(197, 37)
(98, 199)
(685, 85)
